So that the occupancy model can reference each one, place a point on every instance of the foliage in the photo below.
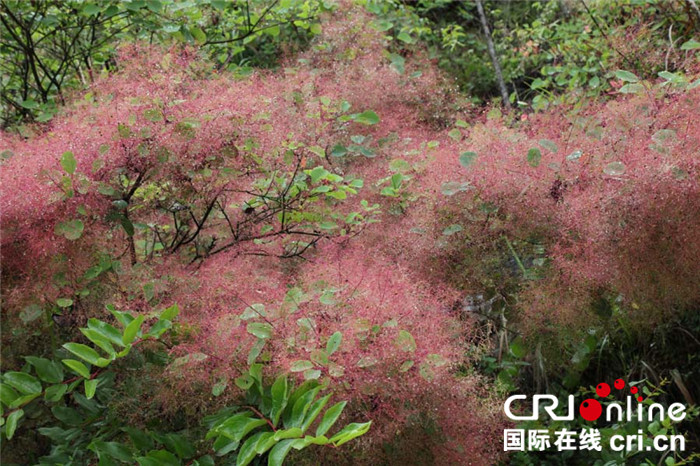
(50, 47)
(347, 220)
(550, 51)
(88, 435)
(83, 424)
(577, 230)
(278, 424)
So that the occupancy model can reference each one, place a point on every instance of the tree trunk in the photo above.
(492, 53)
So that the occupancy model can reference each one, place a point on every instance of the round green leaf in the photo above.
(466, 159)
(534, 156)
(405, 341)
(71, 229)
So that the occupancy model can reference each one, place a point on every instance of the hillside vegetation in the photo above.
(329, 239)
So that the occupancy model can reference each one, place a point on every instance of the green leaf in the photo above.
(280, 395)
(123, 130)
(626, 76)
(132, 330)
(70, 229)
(68, 162)
(154, 5)
(153, 114)
(518, 348)
(314, 411)
(339, 150)
(126, 225)
(90, 388)
(23, 400)
(614, 169)
(301, 365)
(253, 311)
(672, 77)
(435, 360)
(398, 63)
(265, 442)
(236, 427)
(260, 329)
(140, 439)
(455, 134)
(575, 155)
(248, 450)
(330, 417)
(382, 25)
(633, 88)
(327, 298)
(70, 416)
(158, 458)
(244, 382)
(692, 44)
(466, 159)
(368, 117)
(301, 407)
(159, 328)
(47, 370)
(91, 9)
(29, 104)
(452, 229)
(279, 452)
(367, 361)
(317, 174)
(549, 145)
(312, 374)
(534, 156)
(294, 432)
(539, 83)
(218, 388)
(78, 367)
(84, 352)
(255, 350)
(64, 302)
(99, 340)
(405, 37)
(31, 313)
(11, 423)
(334, 343)
(327, 225)
(106, 330)
(26, 384)
(7, 394)
(199, 36)
(170, 313)
(124, 318)
(55, 392)
(451, 188)
(350, 432)
(405, 341)
(114, 450)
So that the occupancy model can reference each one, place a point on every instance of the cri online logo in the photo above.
(590, 409)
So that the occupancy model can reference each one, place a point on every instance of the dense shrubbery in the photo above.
(51, 48)
(351, 224)
(550, 51)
